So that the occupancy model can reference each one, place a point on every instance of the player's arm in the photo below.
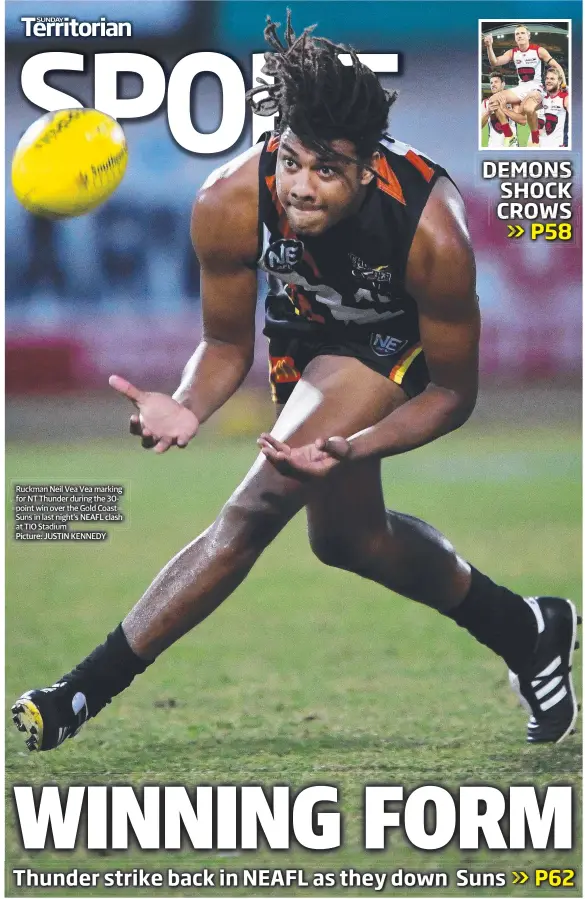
(561, 72)
(549, 61)
(224, 234)
(485, 113)
(441, 278)
(552, 63)
(513, 114)
(502, 60)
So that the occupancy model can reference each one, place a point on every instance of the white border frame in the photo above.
(480, 32)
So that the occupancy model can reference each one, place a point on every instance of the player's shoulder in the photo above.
(442, 229)
(225, 212)
(414, 179)
(233, 181)
(442, 232)
(534, 47)
(406, 160)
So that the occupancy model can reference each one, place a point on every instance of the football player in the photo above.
(373, 327)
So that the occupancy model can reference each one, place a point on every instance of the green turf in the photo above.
(307, 675)
(523, 135)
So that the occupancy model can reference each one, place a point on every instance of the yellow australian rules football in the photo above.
(68, 162)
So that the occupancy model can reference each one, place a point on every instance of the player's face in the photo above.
(318, 192)
(522, 37)
(551, 82)
(496, 85)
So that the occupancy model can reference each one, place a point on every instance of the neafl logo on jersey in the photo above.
(283, 255)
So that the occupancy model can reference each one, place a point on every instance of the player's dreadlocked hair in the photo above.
(318, 97)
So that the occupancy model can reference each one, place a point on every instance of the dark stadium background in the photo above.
(307, 675)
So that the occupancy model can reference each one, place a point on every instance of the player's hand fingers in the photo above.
(338, 447)
(148, 442)
(271, 453)
(279, 460)
(163, 445)
(126, 388)
(270, 441)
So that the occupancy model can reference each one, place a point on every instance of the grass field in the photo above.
(523, 135)
(307, 675)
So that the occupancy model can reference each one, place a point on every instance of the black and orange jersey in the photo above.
(352, 275)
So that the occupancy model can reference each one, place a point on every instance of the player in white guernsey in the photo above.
(553, 118)
(528, 59)
(501, 120)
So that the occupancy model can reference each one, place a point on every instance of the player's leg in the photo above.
(507, 96)
(350, 528)
(509, 138)
(329, 399)
(500, 98)
(529, 95)
(530, 107)
(209, 569)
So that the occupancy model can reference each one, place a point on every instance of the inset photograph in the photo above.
(524, 81)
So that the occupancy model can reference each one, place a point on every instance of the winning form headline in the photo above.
(230, 817)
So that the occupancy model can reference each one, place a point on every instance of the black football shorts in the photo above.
(397, 358)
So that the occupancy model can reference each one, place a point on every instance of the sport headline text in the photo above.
(107, 67)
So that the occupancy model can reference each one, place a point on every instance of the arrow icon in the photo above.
(519, 876)
(515, 231)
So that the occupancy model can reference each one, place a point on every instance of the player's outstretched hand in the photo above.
(313, 460)
(488, 40)
(161, 421)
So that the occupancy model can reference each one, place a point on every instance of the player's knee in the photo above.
(254, 518)
(326, 549)
(348, 551)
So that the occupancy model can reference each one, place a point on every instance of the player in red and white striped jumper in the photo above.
(528, 59)
(501, 120)
(554, 115)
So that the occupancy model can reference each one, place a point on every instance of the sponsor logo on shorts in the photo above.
(385, 345)
(283, 255)
(283, 370)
